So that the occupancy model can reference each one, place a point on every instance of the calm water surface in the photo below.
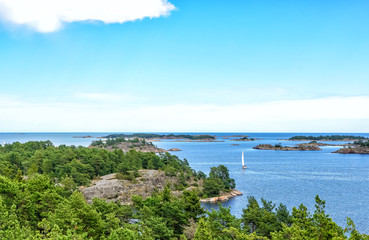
(289, 177)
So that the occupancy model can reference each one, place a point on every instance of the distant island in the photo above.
(243, 139)
(88, 136)
(137, 144)
(240, 136)
(202, 137)
(279, 147)
(346, 138)
(358, 147)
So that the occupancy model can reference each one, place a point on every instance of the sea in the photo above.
(288, 177)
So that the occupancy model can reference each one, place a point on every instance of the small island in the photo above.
(344, 138)
(279, 147)
(240, 136)
(174, 150)
(88, 136)
(243, 139)
(358, 147)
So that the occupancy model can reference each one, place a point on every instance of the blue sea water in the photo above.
(289, 177)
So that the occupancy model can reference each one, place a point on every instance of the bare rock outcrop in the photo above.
(112, 189)
(223, 197)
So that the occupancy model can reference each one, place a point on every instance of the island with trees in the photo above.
(41, 197)
(243, 139)
(279, 147)
(345, 138)
(152, 136)
(357, 147)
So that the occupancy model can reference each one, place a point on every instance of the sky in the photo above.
(184, 66)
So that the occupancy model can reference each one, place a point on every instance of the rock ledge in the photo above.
(223, 198)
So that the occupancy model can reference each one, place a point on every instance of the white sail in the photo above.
(243, 161)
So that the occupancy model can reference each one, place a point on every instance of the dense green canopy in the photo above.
(46, 204)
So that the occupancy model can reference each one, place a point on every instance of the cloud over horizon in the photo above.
(49, 15)
(335, 114)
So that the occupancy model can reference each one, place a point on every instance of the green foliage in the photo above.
(47, 204)
(212, 187)
(218, 181)
(203, 231)
(37, 209)
(74, 167)
(221, 172)
(361, 143)
(307, 226)
(191, 205)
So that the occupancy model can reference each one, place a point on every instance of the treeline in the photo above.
(115, 141)
(161, 136)
(37, 208)
(328, 137)
(81, 164)
(361, 143)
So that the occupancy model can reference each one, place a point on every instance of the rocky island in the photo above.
(174, 150)
(243, 139)
(279, 147)
(358, 147)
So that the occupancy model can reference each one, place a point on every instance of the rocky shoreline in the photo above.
(223, 198)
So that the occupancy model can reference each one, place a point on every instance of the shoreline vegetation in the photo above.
(357, 147)
(42, 197)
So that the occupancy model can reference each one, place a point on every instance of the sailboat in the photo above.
(243, 162)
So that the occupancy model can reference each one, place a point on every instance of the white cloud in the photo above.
(339, 114)
(48, 15)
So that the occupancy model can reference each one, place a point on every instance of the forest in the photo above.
(39, 199)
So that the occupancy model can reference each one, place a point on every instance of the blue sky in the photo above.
(203, 66)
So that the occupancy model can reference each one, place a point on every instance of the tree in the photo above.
(221, 172)
(192, 205)
(203, 231)
(212, 187)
